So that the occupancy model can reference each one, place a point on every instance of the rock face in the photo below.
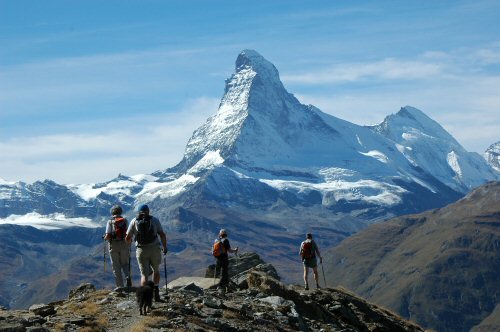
(439, 268)
(492, 156)
(264, 304)
(239, 267)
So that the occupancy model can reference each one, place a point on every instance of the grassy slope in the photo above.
(439, 268)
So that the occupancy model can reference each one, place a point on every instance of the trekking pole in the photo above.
(165, 268)
(129, 283)
(215, 272)
(322, 269)
(104, 253)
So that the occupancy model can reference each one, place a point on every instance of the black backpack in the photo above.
(146, 233)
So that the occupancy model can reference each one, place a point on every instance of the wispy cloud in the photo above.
(143, 146)
(387, 69)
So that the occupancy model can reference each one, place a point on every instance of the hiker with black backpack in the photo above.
(221, 248)
(308, 251)
(146, 230)
(119, 249)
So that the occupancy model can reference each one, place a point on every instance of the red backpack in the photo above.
(218, 248)
(307, 251)
(119, 229)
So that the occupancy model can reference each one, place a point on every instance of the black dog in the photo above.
(145, 297)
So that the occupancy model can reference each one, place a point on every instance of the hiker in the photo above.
(221, 250)
(146, 230)
(308, 251)
(119, 249)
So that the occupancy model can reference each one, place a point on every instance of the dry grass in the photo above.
(59, 327)
(230, 314)
(146, 323)
(95, 321)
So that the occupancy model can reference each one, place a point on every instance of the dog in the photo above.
(144, 296)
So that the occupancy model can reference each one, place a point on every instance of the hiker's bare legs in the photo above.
(306, 272)
(156, 278)
(315, 271)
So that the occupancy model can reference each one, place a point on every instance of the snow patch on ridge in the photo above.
(377, 155)
(362, 190)
(209, 161)
(122, 186)
(51, 221)
(166, 190)
(6, 183)
(452, 160)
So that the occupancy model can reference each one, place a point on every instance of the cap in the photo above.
(143, 208)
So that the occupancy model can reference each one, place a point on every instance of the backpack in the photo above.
(218, 248)
(119, 228)
(307, 251)
(146, 233)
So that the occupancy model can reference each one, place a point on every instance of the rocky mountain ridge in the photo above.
(262, 304)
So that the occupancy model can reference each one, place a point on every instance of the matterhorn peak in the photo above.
(252, 60)
(251, 116)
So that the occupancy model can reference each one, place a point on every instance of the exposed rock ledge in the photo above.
(261, 303)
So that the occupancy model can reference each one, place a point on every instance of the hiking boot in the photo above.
(306, 287)
(129, 282)
(318, 286)
(157, 294)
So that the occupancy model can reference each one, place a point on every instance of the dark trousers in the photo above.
(223, 264)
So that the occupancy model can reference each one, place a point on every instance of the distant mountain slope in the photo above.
(28, 255)
(440, 268)
(492, 156)
(430, 147)
(490, 323)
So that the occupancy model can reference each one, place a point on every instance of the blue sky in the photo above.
(90, 89)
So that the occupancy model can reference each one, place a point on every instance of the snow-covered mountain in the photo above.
(264, 146)
(430, 147)
(263, 133)
(266, 166)
(492, 156)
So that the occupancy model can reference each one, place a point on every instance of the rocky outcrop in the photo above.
(240, 265)
(262, 304)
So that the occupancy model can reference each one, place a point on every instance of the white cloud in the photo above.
(143, 146)
(467, 107)
(387, 69)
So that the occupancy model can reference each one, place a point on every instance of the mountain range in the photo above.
(268, 169)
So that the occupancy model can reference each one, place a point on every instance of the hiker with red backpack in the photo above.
(308, 251)
(119, 249)
(146, 230)
(221, 248)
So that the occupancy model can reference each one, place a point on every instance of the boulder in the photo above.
(240, 265)
(43, 310)
(81, 291)
(203, 283)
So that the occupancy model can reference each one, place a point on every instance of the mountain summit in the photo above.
(258, 122)
(262, 130)
(266, 167)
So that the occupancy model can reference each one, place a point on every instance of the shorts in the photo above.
(149, 257)
(311, 263)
